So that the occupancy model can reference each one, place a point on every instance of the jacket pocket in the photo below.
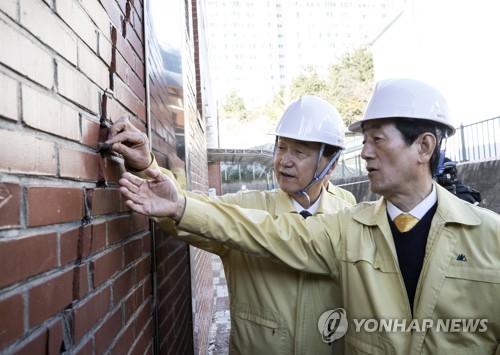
(256, 330)
(371, 257)
(474, 274)
(473, 350)
(259, 320)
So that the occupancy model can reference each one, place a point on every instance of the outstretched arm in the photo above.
(308, 245)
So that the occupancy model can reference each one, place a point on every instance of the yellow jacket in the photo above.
(274, 309)
(459, 281)
(342, 193)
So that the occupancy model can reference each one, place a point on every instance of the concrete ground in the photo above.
(219, 331)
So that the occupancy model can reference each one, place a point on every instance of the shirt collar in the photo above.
(419, 210)
(312, 210)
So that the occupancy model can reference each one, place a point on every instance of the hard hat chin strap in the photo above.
(442, 154)
(317, 177)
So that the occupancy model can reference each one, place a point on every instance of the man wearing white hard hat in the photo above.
(419, 269)
(274, 309)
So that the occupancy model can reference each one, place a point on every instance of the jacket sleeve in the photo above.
(310, 245)
(194, 239)
(169, 226)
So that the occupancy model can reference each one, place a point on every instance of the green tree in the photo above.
(274, 108)
(350, 84)
(307, 83)
(234, 107)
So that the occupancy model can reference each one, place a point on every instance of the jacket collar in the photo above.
(454, 210)
(450, 208)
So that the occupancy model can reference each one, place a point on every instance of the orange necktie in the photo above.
(404, 222)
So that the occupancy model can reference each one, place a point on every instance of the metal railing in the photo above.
(474, 142)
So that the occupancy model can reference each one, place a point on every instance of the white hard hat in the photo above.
(406, 98)
(312, 119)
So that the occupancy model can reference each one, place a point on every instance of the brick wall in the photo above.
(214, 177)
(76, 264)
(196, 160)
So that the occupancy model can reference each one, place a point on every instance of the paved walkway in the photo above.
(219, 331)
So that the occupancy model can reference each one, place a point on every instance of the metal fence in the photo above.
(474, 142)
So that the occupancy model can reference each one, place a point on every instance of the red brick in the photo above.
(113, 12)
(79, 21)
(75, 87)
(90, 132)
(22, 55)
(93, 239)
(85, 315)
(78, 164)
(122, 285)
(80, 281)
(84, 349)
(49, 205)
(107, 331)
(139, 70)
(23, 153)
(46, 113)
(106, 201)
(35, 16)
(142, 319)
(9, 91)
(140, 223)
(98, 15)
(135, 42)
(33, 344)
(123, 5)
(24, 257)
(10, 205)
(141, 112)
(49, 339)
(123, 69)
(92, 65)
(137, 86)
(143, 343)
(143, 269)
(125, 50)
(135, 23)
(105, 50)
(132, 303)
(148, 287)
(125, 341)
(125, 96)
(107, 265)
(56, 338)
(118, 229)
(12, 320)
(132, 251)
(137, 6)
(70, 245)
(115, 110)
(50, 297)
(113, 171)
